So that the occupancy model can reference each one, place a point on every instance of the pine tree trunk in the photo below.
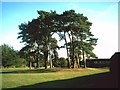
(84, 59)
(73, 52)
(30, 65)
(50, 61)
(45, 58)
(37, 62)
(78, 61)
(67, 51)
(46, 50)
(46, 55)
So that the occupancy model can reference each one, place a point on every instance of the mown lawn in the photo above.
(20, 77)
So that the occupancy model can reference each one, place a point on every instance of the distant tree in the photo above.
(20, 62)
(10, 57)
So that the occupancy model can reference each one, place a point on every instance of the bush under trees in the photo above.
(63, 62)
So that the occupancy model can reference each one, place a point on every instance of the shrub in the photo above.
(20, 62)
(63, 62)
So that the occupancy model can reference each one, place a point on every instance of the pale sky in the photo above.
(103, 15)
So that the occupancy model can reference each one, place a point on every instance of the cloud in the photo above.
(93, 12)
(108, 10)
(78, 8)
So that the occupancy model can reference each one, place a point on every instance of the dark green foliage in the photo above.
(10, 57)
(63, 62)
(21, 62)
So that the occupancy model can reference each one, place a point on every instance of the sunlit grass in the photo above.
(15, 77)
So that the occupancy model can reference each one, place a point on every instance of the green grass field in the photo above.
(37, 78)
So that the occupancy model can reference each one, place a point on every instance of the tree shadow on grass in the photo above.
(31, 71)
(101, 80)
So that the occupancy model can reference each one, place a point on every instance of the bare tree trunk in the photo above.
(30, 65)
(83, 51)
(50, 59)
(68, 60)
(46, 54)
(46, 50)
(84, 59)
(45, 58)
(78, 61)
(51, 63)
(37, 64)
(73, 66)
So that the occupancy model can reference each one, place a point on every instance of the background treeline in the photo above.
(11, 58)
(41, 48)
